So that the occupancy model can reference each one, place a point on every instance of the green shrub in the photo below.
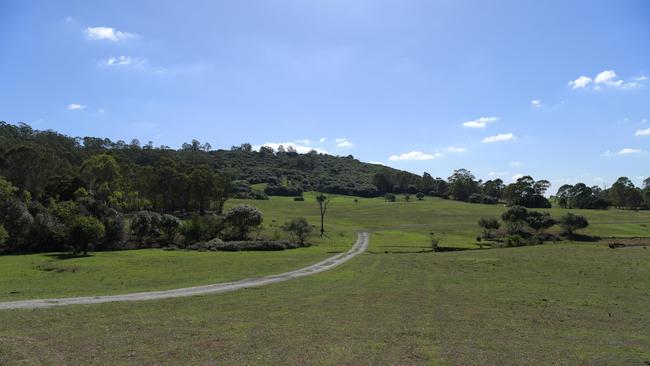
(4, 237)
(299, 199)
(243, 218)
(201, 228)
(169, 225)
(571, 222)
(299, 229)
(85, 232)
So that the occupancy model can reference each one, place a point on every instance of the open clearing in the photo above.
(566, 303)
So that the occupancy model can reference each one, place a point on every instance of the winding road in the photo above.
(359, 247)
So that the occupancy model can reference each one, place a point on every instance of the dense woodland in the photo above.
(57, 190)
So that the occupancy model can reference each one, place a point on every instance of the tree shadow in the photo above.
(64, 256)
(582, 237)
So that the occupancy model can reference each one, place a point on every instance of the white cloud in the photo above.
(645, 132)
(301, 149)
(75, 106)
(323, 139)
(580, 82)
(101, 110)
(107, 33)
(536, 103)
(415, 155)
(303, 142)
(343, 143)
(480, 122)
(499, 138)
(456, 149)
(516, 176)
(124, 61)
(376, 162)
(607, 78)
(628, 151)
(515, 163)
(498, 174)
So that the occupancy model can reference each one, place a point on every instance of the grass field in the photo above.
(566, 303)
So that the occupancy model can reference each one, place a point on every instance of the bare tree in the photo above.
(323, 202)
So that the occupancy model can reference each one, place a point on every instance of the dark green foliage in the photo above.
(170, 226)
(482, 198)
(527, 192)
(4, 237)
(242, 189)
(462, 184)
(202, 228)
(299, 199)
(145, 225)
(419, 196)
(85, 231)
(490, 225)
(299, 229)
(515, 218)
(581, 196)
(572, 222)
(279, 190)
(390, 197)
(539, 221)
(623, 194)
(242, 219)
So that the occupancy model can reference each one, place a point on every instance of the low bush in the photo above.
(237, 246)
(299, 199)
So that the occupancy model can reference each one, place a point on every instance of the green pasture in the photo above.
(558, 303)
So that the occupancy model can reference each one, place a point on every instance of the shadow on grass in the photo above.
(581, 237)
(64, 256)
(439, 250)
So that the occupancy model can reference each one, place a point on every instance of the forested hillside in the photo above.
(50, 164)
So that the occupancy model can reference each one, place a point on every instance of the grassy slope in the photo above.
(558, 303)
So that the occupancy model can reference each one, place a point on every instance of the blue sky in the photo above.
(555, 89)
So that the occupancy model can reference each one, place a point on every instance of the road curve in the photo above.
(359, 247)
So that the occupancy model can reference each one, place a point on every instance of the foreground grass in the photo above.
(106, 273)
(551, 304)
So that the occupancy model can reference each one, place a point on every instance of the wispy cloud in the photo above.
(107, 33)
(303, 142)
(515, 163)
(606, 78)
(499, 138)
(645, 132)
(480, 122)
(124, 61)
(536, 103)
(75, 107)
(456, 149)
(622, 152)
(415, 156)
(343, 143)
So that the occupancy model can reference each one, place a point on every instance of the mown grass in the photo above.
(566, 303)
